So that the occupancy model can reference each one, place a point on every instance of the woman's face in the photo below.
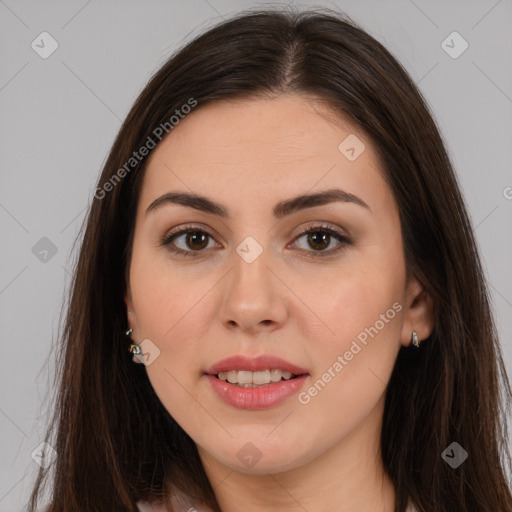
(332, 306)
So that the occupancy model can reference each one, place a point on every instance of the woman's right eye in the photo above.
(193, 237)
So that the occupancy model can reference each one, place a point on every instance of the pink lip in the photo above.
(262, 397)
(264, 362)
(258, 398)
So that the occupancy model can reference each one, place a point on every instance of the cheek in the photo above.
(168, 309)
(363, 313)
(362, 294)
(353, 365)
(165, 295)
(363, 337)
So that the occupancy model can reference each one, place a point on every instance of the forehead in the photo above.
(247, 150)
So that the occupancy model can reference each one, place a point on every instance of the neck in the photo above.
(349, 477)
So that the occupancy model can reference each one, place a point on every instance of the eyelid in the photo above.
(188, 227)
(343, 239)
(183, 230)
(320, 226)
(313, 226)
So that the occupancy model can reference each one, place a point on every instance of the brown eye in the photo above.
(192, 240)
(319, 241)
(320, 237)
(196, 240)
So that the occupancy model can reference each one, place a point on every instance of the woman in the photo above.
(278, 302)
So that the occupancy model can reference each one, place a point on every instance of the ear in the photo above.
(419, 313)
(132, 319)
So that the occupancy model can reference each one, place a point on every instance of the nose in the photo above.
(255, 298)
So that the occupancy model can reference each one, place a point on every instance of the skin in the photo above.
(249, 155)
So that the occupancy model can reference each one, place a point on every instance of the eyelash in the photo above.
(344, 241)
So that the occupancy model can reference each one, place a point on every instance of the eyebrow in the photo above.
(281, 209)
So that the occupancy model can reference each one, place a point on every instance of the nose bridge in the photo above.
(251, 269)
(253, 294)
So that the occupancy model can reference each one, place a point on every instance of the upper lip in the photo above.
(254, 364)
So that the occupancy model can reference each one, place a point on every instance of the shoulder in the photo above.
(179, 502)
(411, 508)
(144, 506)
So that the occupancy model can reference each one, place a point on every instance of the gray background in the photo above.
(60, 115)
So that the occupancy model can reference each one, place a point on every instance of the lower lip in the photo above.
(258, 398)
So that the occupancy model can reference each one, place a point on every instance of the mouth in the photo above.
(258, 379)
(255, 383)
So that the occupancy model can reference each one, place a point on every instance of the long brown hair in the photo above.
(115, 441)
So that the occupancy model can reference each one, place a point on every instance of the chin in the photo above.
(264, 460)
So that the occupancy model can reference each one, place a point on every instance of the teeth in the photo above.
(244, 377)
(249, 379)
(275, 375)
(262, 377)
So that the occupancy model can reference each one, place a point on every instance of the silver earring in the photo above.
(134, 349)
(415, 341)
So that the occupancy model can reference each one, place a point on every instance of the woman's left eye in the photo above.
(321, 236)
(318, 237)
